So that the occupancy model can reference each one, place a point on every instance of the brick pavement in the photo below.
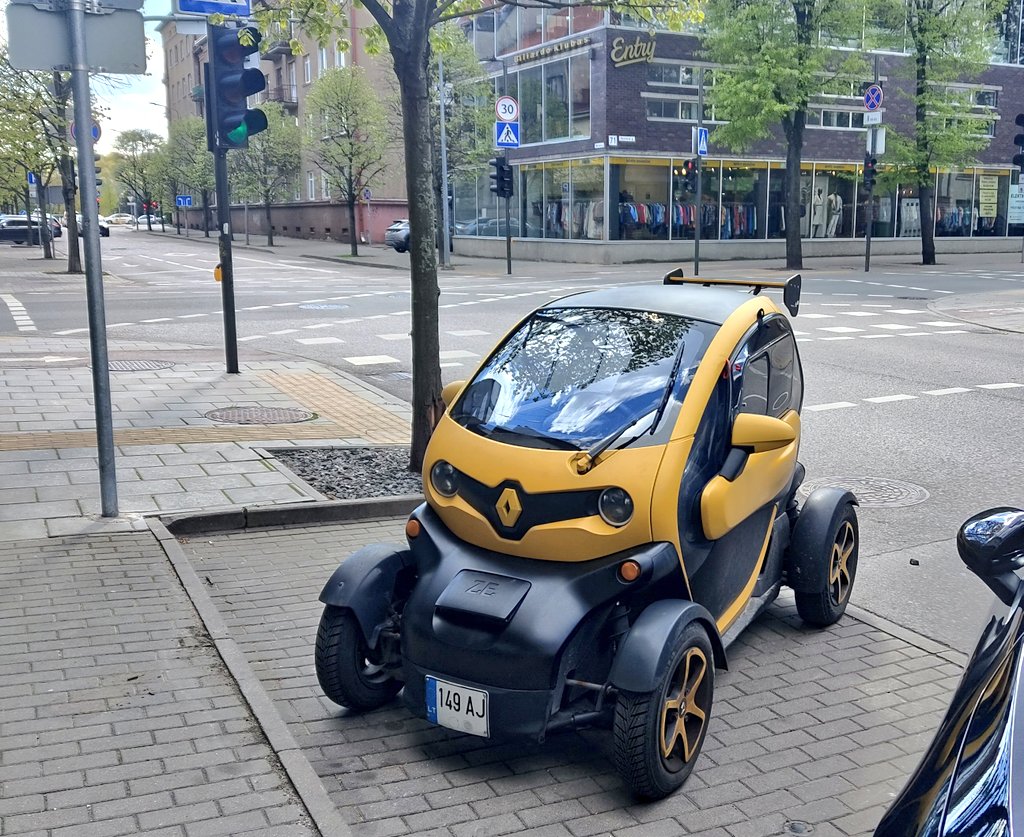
(820, 727)
(117, 716)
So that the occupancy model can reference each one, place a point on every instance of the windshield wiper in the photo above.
(589, 459)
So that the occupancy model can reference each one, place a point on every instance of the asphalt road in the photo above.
(923, 408)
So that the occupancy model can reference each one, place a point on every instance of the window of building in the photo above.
(676, 74)
(844, 119)
(321, 62)
(586, 17)
(310, 186)
(531, 26)
(339, 55)
(307, 69)
(641, 207)
(986, 98)
(579, 67)
(325, 186)
(554, 99)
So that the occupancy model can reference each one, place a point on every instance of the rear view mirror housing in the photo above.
(991, 544)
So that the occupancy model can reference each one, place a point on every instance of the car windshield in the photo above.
(569, 377)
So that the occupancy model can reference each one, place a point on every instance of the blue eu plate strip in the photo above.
(432, 700)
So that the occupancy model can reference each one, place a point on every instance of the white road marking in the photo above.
(472, 332)
(999, 386)
(940, 323)
(883, 399)
(862, 313)
(457, 353)
(892, 326)
(875, 336)
(318, 341)
(450, 364)
(836, 405)
(841, 329)
(191, 316)
(158, 320)
(250, 337)
(285, 331)
(817, 317)
(18, 313)
(395, 336)
(370, 360)
(947, 391)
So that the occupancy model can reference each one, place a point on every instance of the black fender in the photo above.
(642, 658)
(365, 583)
(818, 516)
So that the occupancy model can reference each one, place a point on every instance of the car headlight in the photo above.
(444, 478)
(615, 506)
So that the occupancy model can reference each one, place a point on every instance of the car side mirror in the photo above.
(450, 392)
(761, 433)
(991, 544)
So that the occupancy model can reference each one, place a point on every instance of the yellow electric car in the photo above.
(610, 500)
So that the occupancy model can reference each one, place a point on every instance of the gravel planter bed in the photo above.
(353, 473)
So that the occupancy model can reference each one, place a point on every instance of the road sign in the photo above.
(367, 194)
(873, 117)
(39, 40)
(95, 132)
(183, 200)
(879, 141)
(31, 178)
(699, 141)
(506, 134)
(212, 7)
(873, 97)
(507, 109)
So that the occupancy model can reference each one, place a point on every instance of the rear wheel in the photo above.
(659, 734)
(825, 604)
(350, 674)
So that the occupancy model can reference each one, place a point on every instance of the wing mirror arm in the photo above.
(1006, 586)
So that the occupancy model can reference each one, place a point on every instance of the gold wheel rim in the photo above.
(682, 718)
(839, 574)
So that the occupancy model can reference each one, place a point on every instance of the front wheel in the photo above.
(659, 734)
(834, 565)
(349, 673)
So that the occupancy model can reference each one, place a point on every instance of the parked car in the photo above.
(119, 218)
(146, 220)
(610, 501)
(397, 236)
(969, 782)
(17, 229)
(496, 227)
(103, 226)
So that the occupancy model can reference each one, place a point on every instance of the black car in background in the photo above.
(970, 782)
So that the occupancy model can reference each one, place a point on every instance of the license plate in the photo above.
(457, 707)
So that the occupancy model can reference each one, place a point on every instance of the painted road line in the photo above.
(817, 317)
(941, 324)
(892, 326)
(999, 386)
(318, 341)
(883, 399)
(370, 360)
(836, 405)
(841, 329)
(947, 391)
(394, 336)
(20, 316)
(457, 353)
(468, 333)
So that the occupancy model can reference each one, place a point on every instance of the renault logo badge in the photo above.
(509, 508)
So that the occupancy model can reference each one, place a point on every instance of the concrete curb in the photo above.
(304, 779)
(298, 514)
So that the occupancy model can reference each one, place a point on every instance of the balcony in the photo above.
(197, 93)
(286, 95)
(280, 46)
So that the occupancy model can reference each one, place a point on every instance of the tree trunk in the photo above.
(206, 212)
(44, 221)
(925, 180)
(266, 212)
(793, 126)
(409, 49)
(68, 191)
(353, 233)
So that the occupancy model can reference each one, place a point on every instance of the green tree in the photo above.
(348, 136)
(268, 167)
(776, 57)
(189, 164)
(139, 166)
(949, 41)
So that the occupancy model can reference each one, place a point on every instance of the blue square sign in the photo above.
(506, 134)
(240, 8)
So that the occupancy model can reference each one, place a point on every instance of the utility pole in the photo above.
(446, 259)
(869, 213)
(699, 197)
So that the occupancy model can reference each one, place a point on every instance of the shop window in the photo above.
(557, 218)
(586, 17)
(506, 29)
(556, 23)
(579, 66)
(531, 205)
(954, 204)
(531, 26)
(643, 210)
(991, 196)
(556, 100)
(883, 208)
(744, 200)
(531, 104)
(587, 192)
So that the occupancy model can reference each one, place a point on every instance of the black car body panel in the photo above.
(962, 788)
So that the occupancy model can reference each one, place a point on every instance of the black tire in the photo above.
(346, 669)
(825, 605)
(400, 248)
(641, 719)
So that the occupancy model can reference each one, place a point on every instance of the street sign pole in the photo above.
(699, 197)
(93, 265)
(446, 259)
(869, 211)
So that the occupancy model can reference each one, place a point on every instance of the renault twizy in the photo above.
(610, 500)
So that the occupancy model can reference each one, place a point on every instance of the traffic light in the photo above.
(99, 180)
(690, 174)
(870, 172)
(1018, 158)
(502, 177)
(229, 122)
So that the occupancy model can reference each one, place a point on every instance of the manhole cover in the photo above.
(259, 415)
(323, 306)
(872, 492)
(137, 365)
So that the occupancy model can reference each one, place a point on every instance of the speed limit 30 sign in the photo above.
(507, 109)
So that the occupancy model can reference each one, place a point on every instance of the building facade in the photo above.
(311, 211)
(608, 108)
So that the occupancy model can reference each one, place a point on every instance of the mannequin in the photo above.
(818, 215)
(835, 214)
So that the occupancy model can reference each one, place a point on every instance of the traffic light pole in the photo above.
(869, 214)
(699, 197)
(227, 273)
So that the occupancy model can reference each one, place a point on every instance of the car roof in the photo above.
(712, 305)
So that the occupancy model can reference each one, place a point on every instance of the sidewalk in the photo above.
(164, 686)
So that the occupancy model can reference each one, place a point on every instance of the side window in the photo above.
(785, 387)
(754, 386)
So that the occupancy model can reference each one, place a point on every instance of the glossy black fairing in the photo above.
(971, 780)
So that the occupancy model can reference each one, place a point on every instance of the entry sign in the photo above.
(507, 109)
(183, 200)
(506, 134)
(700, 141)
(873, 97)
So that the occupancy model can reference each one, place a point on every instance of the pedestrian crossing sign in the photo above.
(699, 141)
(506, 134)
